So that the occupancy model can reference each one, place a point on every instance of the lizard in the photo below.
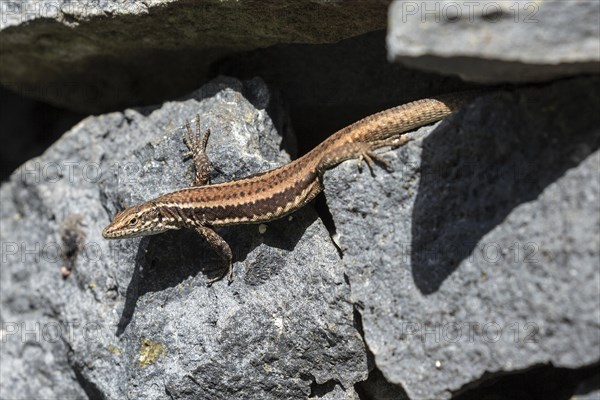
(272, 194)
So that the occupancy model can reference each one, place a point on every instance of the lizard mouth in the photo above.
(110, 233)
(107, 234)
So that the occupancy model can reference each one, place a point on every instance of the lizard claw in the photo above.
(196, 144)
(368, 156)
(228, 272)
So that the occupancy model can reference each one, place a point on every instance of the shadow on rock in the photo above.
(507, 149)
(164, 261)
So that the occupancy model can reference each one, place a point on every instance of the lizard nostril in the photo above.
(106, 232)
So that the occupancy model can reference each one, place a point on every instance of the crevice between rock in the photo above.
(537, 382)
(92, 391)
(318, 390)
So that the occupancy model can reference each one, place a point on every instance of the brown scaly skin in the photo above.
(278, 192)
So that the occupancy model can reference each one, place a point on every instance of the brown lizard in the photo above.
(270, 195)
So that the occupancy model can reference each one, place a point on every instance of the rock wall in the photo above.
(469, 271)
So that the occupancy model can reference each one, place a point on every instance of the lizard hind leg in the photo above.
(358, 150)
(368, 154)
(196, 144)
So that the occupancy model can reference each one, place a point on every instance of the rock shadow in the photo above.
(164, 261)
(490, 157)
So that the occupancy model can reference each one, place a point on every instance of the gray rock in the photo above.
(497, 41)
(588, 396)
(332, 391)
(479, 254)
(96, 56)
(588, 389)
(135, 318)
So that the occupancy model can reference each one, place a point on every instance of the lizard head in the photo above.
(140, 220)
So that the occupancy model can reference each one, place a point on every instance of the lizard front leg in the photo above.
(220, 246)
(196, 144)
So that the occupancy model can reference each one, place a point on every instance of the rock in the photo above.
(104, 55)
(479, 254)
(539, 382)
(330, 391)
(493, 41)
(589, 389)
(588, 396)
(135, 318)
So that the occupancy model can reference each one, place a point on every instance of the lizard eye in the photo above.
(133, 221)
